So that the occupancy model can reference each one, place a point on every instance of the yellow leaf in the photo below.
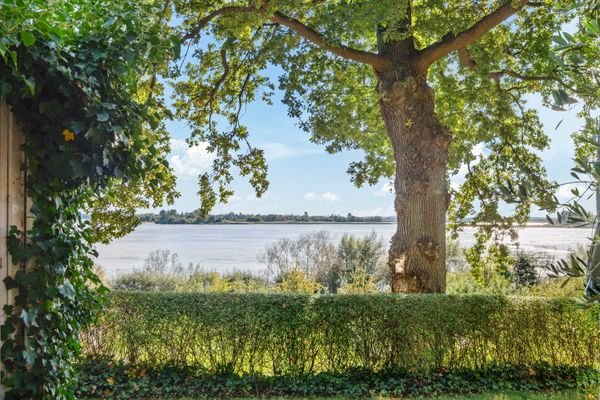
(69, 135)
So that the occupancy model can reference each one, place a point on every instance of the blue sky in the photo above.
(304, 177)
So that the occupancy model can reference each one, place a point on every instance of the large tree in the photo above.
(417, 85)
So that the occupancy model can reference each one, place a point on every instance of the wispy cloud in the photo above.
(565, 194)
(375, 212)
(328, 196)
(386, 189)
(276, 151)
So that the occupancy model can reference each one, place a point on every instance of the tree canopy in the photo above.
(324, 54)
(427, 89)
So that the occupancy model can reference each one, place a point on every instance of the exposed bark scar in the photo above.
(428, 248)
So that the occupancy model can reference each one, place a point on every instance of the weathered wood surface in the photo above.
(13, 199)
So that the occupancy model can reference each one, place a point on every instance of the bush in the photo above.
(162, 272)
(313, 254)
(526, 271)
(316, 257)
(299, 334)
(362, 262)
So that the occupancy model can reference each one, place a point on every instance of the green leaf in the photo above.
(29, 317)
(30, 355)
(27, 38)
(103, 116)
(30, 83)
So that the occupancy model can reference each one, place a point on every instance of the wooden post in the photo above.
(13, 200)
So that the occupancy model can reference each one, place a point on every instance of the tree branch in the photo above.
(450, 43)
(516, 75)
(201, 24)
(376, 61)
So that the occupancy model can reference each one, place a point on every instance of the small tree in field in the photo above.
(417, 85)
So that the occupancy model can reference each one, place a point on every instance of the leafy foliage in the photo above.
(355, 263)
(75, 74)
(118, 381)
(575, 52)
(480, 90)
(162, 271)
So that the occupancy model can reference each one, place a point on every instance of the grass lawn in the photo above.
(569, 395)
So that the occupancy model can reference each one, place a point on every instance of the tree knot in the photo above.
(400, 89)
(428, 248)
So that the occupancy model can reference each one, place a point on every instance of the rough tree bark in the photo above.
(420, 143)
(417, 255)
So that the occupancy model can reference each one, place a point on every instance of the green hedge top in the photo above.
(299, 334)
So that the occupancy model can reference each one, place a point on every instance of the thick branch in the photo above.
(451, 43)
(376, 61)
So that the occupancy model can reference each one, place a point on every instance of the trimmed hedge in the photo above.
(298, 335)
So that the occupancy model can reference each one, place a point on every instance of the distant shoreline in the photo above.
(276, 223)
(527, 225)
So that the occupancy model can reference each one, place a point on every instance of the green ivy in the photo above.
(79, 78)
(105, 379)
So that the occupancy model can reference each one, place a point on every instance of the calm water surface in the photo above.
(229, 247)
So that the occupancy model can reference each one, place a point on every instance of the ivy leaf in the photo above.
(103, 116)
(27, 38)
(29, 356)
(30, 83)
(67, 290)
(29, 317)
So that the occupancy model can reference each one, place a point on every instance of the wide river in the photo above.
(236, 247)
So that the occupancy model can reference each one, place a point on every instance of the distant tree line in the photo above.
(175, 217)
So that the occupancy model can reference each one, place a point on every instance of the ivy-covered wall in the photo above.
(80, 81)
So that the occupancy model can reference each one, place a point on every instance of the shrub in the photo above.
(146, 282)
(162, 271)
(329, 266)
(455, 257)
(359, 281)
(526, 271)
(313, 254)
(297, 282)
(362, 258)
(300, 334)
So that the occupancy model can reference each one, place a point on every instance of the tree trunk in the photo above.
(417, 257)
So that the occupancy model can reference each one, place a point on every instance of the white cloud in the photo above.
(459, 178)
(192, 161)
(311, 196)
(178, 145)
(385, 190)
(564, 193)
(275, 151)
(376, 212)
(249, 198)
(328, 196)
